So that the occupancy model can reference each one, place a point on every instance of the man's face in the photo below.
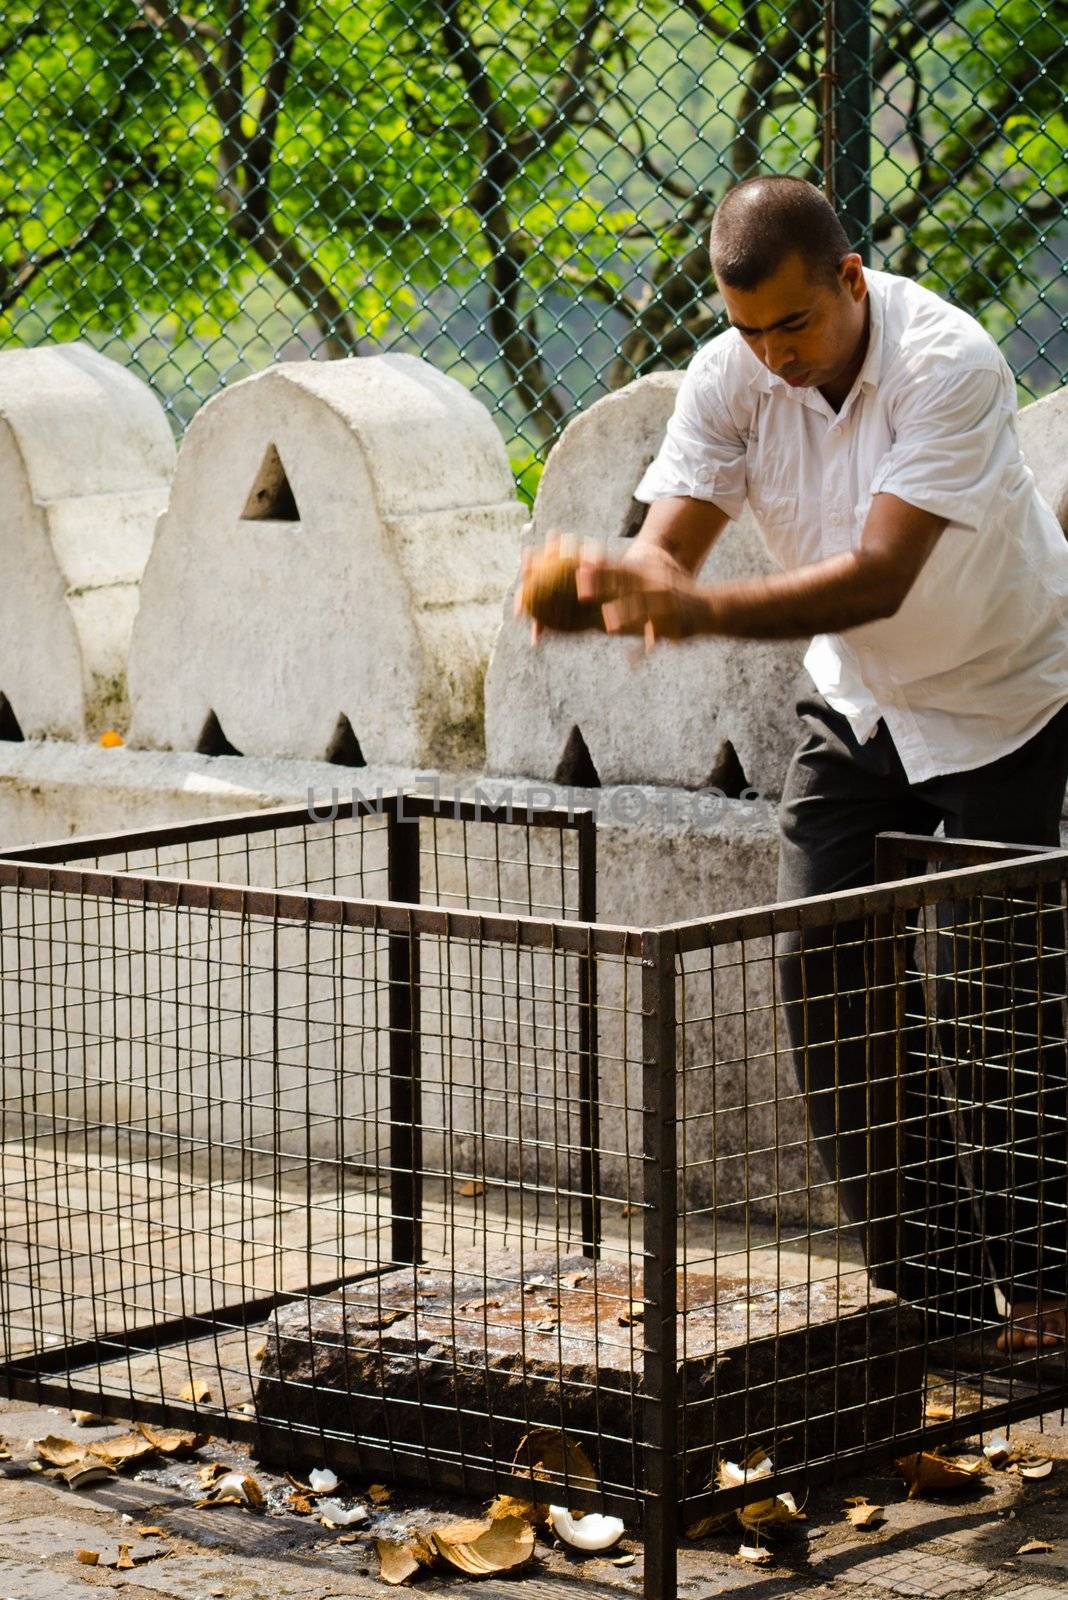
(808, 331)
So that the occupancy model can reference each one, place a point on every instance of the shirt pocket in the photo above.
(776, 517)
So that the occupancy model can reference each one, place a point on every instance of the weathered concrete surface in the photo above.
(467, 1360)
(666, 718)
(337, 543)
(1043, 432)
(972, 1540)
(86, 456)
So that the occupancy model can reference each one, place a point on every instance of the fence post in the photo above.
(887, 1108)
(589, 1121)
(405, 1099)
(660, 1419)
(847, 116)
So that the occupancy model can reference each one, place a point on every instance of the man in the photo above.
(871, 427)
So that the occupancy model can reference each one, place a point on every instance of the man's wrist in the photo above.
(704, 612)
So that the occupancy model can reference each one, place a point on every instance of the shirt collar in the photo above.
(870, 373)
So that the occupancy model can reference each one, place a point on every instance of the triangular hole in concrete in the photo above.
(271, 498)
(9, 723)
(576, 768)
(212, 741)
(344, 748)
(728, 774)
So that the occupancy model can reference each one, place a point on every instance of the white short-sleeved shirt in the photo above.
(976, 659)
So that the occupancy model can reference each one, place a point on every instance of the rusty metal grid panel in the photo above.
(872, 1167)
(519, 192)
(403, 1185)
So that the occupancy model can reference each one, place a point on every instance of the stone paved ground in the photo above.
(960, 1546)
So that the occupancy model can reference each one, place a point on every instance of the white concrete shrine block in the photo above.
(1042, 428)
(330, 570)
(707, 712)
(86, 456)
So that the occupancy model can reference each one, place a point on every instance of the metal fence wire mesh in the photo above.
(519, 192)
(415, 1184)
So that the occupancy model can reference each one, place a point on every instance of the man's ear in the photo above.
(851, 276)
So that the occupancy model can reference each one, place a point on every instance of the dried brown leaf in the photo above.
(152, 1533)
(484, 1547)
(5, 1452)
(481, 1305)
(927, 1473)
(300, 1504)
(88, 1558)
(472, 1187)
(629, 1210)
(633, 1313)
(260, 1351)
(195, 1390)
(938, 1411)
(1035, 1547)
(547, 1326)
(624, 1561)
(757, 1555)
(211, 1470)
(379, 1495)
(86, 1419)
(1036, 1469)
(571, 1280)
(124, 1560)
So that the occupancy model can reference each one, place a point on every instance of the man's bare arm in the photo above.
(681, 528)
(829, 596)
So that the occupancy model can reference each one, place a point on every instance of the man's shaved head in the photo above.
(760, 222)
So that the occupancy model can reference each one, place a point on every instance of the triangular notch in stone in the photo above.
(9, 723)
(344, 747)
(271, 498)
(213, 741)
(576, 768)
(728, 774)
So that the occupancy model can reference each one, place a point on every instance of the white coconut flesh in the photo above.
(591, 1532)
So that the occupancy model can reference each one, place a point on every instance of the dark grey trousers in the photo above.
(985, 1185)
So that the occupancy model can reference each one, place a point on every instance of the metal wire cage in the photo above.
(361, 1140)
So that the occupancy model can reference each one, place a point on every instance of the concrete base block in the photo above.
(462, 1361)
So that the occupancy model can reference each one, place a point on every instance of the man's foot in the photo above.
(1033, 1326)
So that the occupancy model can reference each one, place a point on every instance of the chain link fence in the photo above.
(518, 190)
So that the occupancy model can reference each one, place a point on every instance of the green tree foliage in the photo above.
(359, 154)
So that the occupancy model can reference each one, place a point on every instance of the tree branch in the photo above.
(286, 259)
(964, 149)
(571, 92)
(260, 152)
(226, 107)
(14, 284)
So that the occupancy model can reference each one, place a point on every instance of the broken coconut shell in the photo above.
(484, 1547)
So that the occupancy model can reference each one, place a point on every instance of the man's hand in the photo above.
(647, 593)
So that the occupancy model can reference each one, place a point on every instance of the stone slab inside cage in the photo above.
(457, 1364)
